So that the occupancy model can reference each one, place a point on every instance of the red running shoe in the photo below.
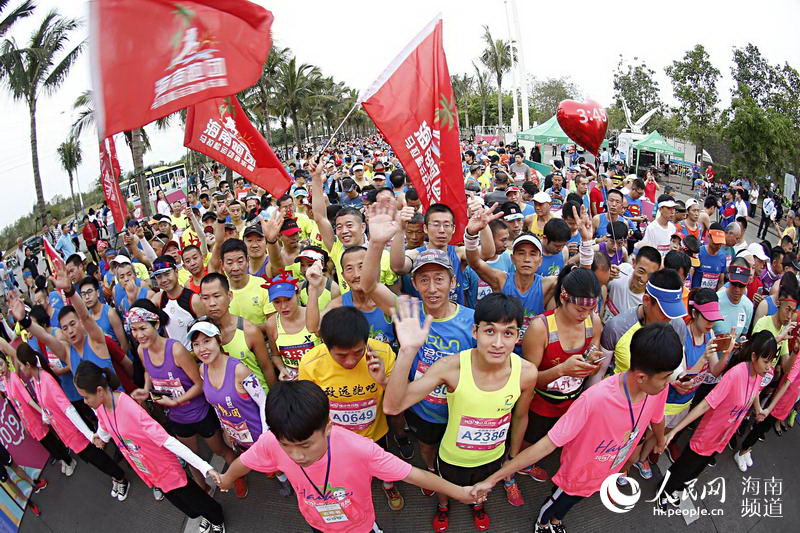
(39, 485)
(537, 473)
(480, 519)
(34, 508)
(514, 495)
(441, 520)
(240, 487)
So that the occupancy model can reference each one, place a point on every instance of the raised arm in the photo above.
(61, 281)
(271, 229)
(383, 226)
(400, 262)
(316, 284)
(17, 309)
(318, 208)
(474, 233)
(198, 229)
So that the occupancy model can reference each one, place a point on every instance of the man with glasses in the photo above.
(181, 304)
(106, 316)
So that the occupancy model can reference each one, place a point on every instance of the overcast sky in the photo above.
(354, 40)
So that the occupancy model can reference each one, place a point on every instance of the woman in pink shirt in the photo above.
(61, 415)
(779, 408)
(148, 448)
(723, 411)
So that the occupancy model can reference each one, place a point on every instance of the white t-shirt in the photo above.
(741, 208)
(620, 297)
(658, 236)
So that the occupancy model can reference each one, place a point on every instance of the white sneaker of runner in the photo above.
(123, 489)
(205, 525)
(69, 468)
(157, 494)
(741, 462)
(114, 488)
(749, 458)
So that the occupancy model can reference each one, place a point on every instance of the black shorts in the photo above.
(205, 427)
(463, 476)
(426, 432)
(538, 427)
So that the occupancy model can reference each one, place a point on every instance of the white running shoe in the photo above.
(63, 467)
(157, 494)
(205, 525)
(741, 462)
(749, 458)
(122, 490)
(114, 488)
(218, 529)
(69, 469)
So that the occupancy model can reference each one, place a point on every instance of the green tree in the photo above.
(497, 57)
(25, 9)
(70, 156)
(40, 67)
(636, 84)
(483, 86)
(548, 93)
(462, 90)
(295, 85)
(694, 85)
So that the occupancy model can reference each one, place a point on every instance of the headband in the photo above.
(788, 299)
(138, 314)
(582, 301)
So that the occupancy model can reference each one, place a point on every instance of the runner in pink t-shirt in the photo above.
(330, 467)
(61, 415)
(148, 448)
(723, 411)
(780, 406)
(601, 429)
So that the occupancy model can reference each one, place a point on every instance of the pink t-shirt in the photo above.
(785, 404)
(141, 440)
(594, 434)
(347, 502)
(730, 400)
(54, 403)
(20, 397)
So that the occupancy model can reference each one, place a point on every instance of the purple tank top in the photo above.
(240, 417)
(170, 380)
(615, 259)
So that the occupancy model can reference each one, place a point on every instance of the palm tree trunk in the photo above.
(37, 178)
(72, 195)
(296, 128)
(483, 113)
(137, 152)
(499, 103)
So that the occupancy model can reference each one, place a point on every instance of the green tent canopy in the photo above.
(548, 132)
(656, 143)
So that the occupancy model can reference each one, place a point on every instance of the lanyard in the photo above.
(115, 423)
(748, 392)
(327, 474)
(630, 405)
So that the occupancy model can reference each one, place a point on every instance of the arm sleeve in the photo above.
(104, 435)
(78, 422)
(148, 250)
(175, 446)
(256, 392)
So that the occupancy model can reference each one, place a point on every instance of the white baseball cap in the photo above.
(758, 251)
(542, 197)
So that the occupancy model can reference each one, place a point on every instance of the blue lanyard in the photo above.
(630, 405)
(116, 429)
(322, 494)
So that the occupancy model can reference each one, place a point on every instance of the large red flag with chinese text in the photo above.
(412, 105)
(151, 58)
(52, 256)
(220, 129)
(109, 176)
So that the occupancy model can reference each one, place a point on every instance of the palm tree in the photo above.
(295, 85)
(462, 90)
(258, 100)
(69, 152)
(27, 71)
(497, 58)
(483, 86)
(23, 10)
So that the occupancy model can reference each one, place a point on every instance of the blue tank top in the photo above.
(711, 268)
(105, 323)
(379, 328)
(123, 305)
(65, 379)
(88, 355)
(551, 264)
(602, 226)
(532, 302)
(448, 336)
(693, 353)
(457, 294)
(771, 307)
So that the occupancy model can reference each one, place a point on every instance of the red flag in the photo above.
(109, 175)
(51, 254)
(412, 105)
(220, 129)
(151, 58)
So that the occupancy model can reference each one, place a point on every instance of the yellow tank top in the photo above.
(534, 228)
(292, 346)
(238, 349)
(248, 302)
(478, 422)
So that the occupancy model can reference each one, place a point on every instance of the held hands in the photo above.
(383, 223)
(215, 477)
(98, 442)
(406, 319)
(465, 495)
(763, 414)
(480, 491)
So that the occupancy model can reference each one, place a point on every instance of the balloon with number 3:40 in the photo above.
(583, 122)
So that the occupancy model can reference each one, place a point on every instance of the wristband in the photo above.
(220, 221)
(69, 292)
(587, 253)
(26, 321)
(272, 242)
(471, 242)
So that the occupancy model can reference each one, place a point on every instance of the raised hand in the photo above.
(383, 223)
(314, 275)
(272, 227)
(60, 278)
(406, 319)
(584, 221)
(406, 214)
(480, 218)
(15, 306)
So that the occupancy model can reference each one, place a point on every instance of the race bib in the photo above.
(622, 454)
(168, 387)
(483, 289)
(354, 415)
(709, 280)
(437, 395)
(237, 432)
(331, 513)
(291, 355)
(740, 321)
(482, 433)
(526, 321)
(565, 384)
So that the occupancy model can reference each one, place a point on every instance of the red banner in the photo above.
(413, 106)
(109, 175)
(151, 58)
(220, 129)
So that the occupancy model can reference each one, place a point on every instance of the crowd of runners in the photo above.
(303, 336)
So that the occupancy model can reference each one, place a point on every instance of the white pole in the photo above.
(78, 184)
(521, 65)
(515, 81)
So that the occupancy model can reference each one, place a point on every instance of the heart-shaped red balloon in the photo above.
(584, 122)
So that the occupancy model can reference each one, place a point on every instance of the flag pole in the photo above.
(333, 135)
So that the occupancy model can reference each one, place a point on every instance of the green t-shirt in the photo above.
(765, 323)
